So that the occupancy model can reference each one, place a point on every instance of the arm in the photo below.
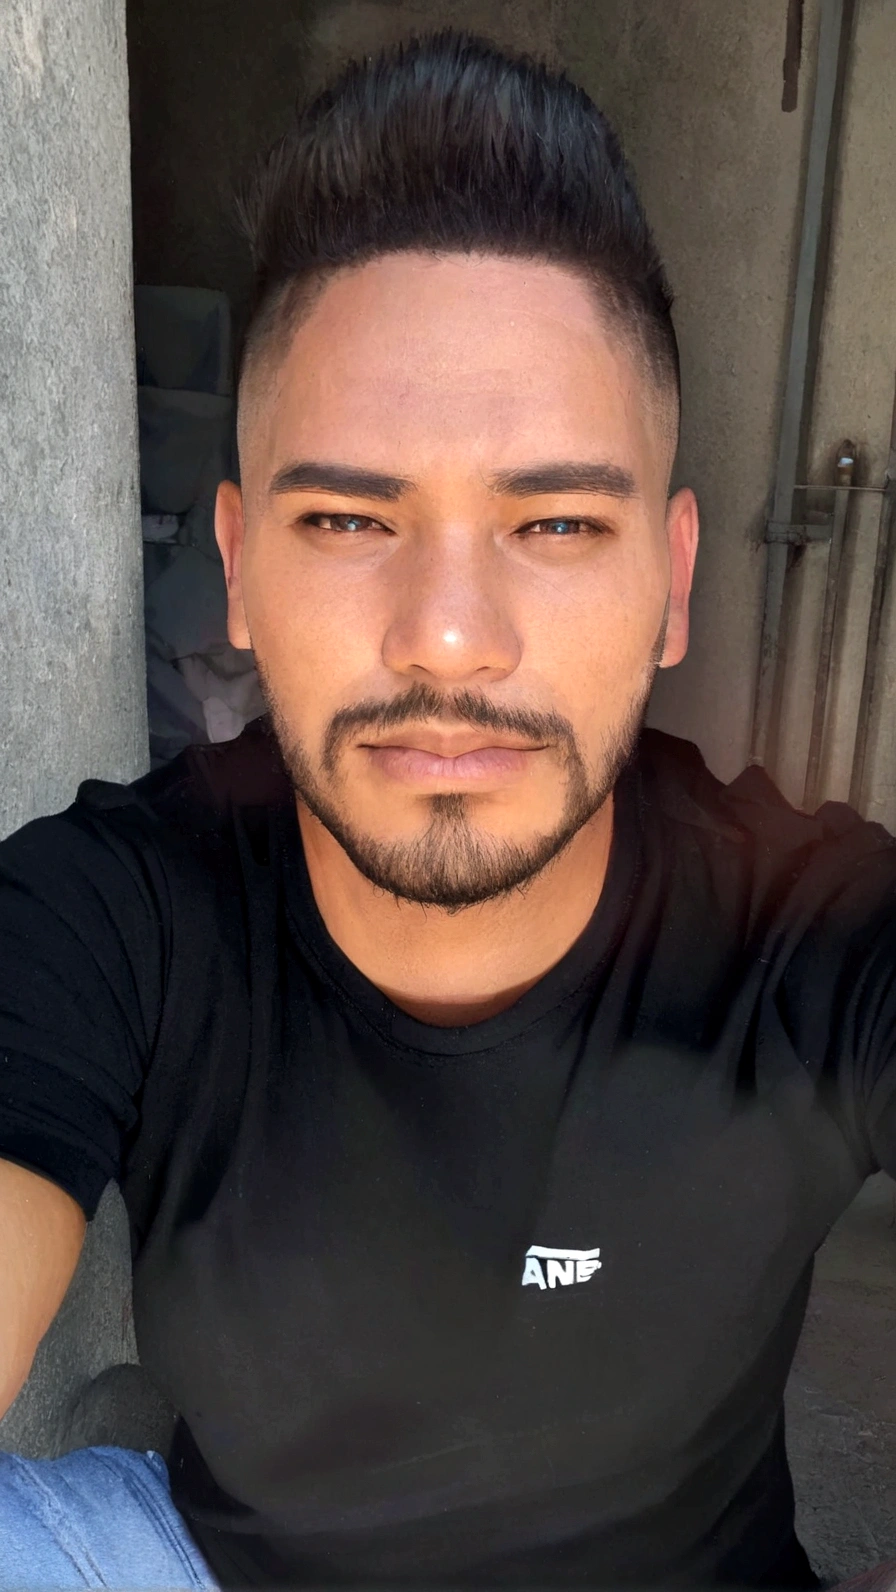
(82, 940)
(41, 1233)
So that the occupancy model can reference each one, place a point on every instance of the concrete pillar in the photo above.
(72, 695)
(72, 690)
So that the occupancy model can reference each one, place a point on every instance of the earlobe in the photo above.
(682, 532)
(229, 534)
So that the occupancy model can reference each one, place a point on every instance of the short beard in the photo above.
(452, 865)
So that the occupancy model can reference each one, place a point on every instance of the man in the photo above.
(481, 1075)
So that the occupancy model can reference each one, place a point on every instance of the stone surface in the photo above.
(72, 703)
(121, 1408)
(71, 650)
(841, 1402)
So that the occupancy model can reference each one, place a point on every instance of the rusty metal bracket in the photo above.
(799, 534)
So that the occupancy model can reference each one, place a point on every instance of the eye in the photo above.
(343, 524)
(564, 528)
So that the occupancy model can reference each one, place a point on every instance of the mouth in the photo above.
(451, 760)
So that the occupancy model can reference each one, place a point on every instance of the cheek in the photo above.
(314, 632)
(594, 640)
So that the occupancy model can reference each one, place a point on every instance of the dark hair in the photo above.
(447, 144)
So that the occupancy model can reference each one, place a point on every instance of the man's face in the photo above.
(455, 560)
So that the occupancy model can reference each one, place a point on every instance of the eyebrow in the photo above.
(610, 480)
(602, 478)
(347, 479)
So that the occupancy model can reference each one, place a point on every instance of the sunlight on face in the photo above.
(456, 563)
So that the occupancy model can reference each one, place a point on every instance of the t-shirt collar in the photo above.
(569, 980)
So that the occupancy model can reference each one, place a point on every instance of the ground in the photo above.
(842, 1394)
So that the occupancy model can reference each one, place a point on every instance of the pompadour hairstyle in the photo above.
(445, 144)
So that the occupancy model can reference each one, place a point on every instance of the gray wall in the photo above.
(854, 398)
(72, 702)
(71, 667)
(695, 89)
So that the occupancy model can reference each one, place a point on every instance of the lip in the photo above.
(452, 743)
(477, 766)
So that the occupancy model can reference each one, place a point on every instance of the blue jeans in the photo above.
(98, 1517)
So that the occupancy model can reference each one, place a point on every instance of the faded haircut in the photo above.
(445, 144)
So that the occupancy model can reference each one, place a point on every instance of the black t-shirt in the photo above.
(507, 1303)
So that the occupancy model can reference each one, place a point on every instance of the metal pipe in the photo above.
(846, 462)
(874, 641)
(836, 17)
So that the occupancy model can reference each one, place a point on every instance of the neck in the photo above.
(454, 968)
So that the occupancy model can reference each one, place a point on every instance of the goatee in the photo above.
(454, 864)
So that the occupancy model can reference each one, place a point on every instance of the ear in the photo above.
(230, 533)
(682, 531)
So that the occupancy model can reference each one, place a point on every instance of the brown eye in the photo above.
(344, 523)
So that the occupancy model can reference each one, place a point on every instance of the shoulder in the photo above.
(677, 784)
(196, 792)
(780, 853)
(122, 844)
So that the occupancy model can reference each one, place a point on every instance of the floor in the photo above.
(842, 1395)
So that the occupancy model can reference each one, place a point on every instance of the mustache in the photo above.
(423, 702)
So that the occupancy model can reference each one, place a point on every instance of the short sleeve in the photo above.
(81, 970)
(848, 992)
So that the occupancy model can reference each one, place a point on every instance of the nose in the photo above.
(451, 622)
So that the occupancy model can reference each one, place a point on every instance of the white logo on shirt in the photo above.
(561, 1266)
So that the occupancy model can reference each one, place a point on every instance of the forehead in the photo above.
(418, 363)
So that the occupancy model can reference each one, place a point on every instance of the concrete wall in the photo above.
(71, 650)
(854, 398)
(695, 90)
(72, 701)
